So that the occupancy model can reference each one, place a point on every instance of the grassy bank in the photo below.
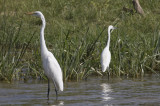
(76, 34)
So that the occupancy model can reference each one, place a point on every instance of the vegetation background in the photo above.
(76, 33)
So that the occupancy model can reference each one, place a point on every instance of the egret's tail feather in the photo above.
(103, 69)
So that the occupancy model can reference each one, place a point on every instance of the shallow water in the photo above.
(95, 91)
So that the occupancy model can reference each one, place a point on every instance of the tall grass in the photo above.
(12, 49)
(76, 34)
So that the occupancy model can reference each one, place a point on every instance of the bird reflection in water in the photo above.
(56, 103)
(106, 90)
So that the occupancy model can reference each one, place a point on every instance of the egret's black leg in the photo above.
(56, 90)
(56, 94)
(48, 89)
(108, 74)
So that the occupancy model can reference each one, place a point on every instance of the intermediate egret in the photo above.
(106, 55)
(51, 67)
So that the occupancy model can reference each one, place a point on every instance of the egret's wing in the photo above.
(105, 59)
(54, 71)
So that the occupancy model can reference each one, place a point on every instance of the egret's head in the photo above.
(36, 13)
(111, 27)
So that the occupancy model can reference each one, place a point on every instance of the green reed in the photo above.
(76, 33)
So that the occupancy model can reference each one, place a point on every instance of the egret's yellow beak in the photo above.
(30, 13)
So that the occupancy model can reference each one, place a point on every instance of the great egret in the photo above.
(106, 55)
(51, 67)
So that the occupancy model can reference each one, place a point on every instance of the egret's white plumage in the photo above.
(51, 67)
(106, 55)
(105, 59)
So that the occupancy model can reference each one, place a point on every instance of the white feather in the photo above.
(105, 59)
(53, 71)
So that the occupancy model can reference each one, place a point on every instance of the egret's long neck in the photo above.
(108, 43)
(42, 40)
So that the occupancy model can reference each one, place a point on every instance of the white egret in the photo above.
(106, 55)
(51, 67)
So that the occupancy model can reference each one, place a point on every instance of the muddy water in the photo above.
(93, 92)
